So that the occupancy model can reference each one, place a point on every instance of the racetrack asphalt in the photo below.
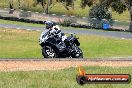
(115, 34)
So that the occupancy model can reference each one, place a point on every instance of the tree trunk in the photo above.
(11, 4)
(47, 9)
(130, 26)
(19, 4)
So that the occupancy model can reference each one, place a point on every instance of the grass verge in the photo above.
(20, 23)
(24, 44)
(59, 79)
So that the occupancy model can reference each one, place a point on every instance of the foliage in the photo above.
(46, 4)
(25, 14)
(118, 6)
(59, 9)
(84, 3)
(99, 15)
(100, 12)
(68, 4)
(25, 4)
(68, 21)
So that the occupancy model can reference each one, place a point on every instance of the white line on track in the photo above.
(6, 27)
(28, 29)
(17, 28)
(38, 30)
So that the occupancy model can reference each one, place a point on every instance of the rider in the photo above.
(54, 29)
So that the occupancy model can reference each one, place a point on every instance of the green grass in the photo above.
(125, 16)
(97, 46)
(19, 43)
(24, 44)
(121, 23)
(59, 79)
(20, 23)
(4, 3)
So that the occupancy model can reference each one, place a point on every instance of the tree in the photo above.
(68, 4)
(100, 12)
(117, 5)
(98, 15)
(45, 4)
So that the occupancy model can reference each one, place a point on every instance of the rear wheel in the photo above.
(48, 52)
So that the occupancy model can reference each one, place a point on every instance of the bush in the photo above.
(68, 21)
(25, 14)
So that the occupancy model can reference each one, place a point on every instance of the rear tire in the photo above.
(48, 52)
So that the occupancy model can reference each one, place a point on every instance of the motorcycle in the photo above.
(54, 47)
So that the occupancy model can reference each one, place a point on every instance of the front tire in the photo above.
(78, 52)
(48, 52)
(81, 53)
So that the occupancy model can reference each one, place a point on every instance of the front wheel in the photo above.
(78, 52)
(48, 52)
